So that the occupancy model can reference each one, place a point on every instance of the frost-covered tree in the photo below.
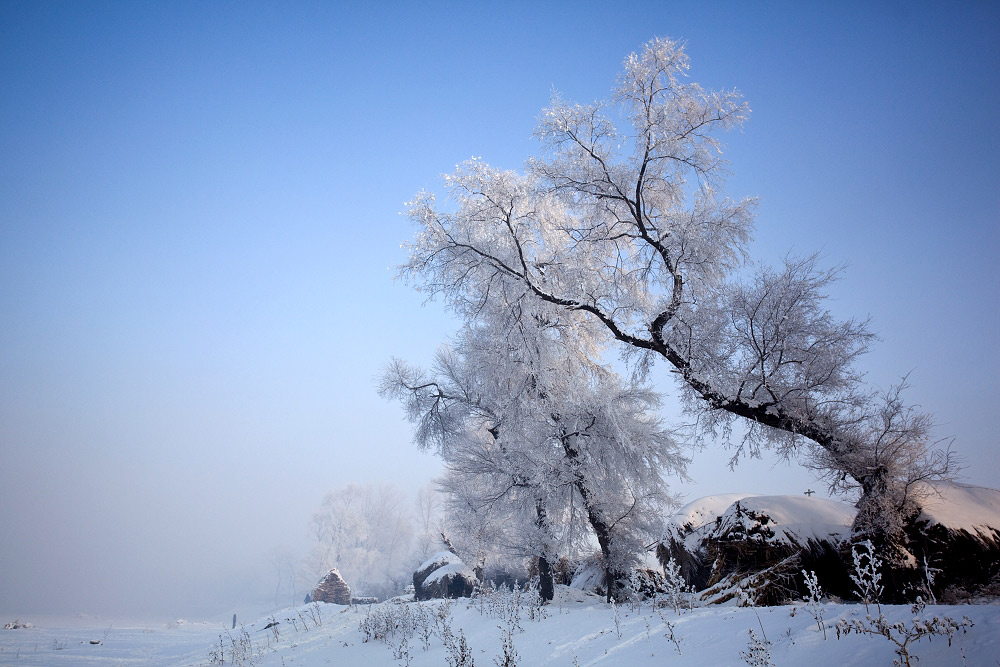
(364, 532)
(621, 222)
(531, 433)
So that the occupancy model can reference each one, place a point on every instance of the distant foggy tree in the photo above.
(429, 519)
(621, 223)
(519, 421)
(286, 572)
(366, 533)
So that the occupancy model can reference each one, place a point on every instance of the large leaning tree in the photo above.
(621, 222)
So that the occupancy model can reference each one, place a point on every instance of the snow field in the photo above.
(577, 629)
(177, 644)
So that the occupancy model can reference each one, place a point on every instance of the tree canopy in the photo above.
(622, 226)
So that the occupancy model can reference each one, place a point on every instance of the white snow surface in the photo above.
(444, 557)
(450, 568)
(974, 509)
(578, 629)
(794, 519)
(588, 577)
(704, 510)
(449, 564)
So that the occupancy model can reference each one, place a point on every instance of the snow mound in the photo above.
(442, 558)
(446, 570)
(974, 509)
(792, 520)
(699, 512)
(690, 523)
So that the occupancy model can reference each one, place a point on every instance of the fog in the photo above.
(199, 219)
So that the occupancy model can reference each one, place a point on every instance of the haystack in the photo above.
(332, 589)
(443, 575)
(728, 542)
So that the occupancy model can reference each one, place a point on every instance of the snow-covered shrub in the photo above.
(746, 594)
(867, 578)
(758, 653)
(677, 591)
(315, 614)
(401, 651)
(503, 604)
(672, 636)
(442, 618)
(241, 649)
(617, 617)
(386, 621)
(508, 656)
(930, 573)
(812, 600)
(397, 624)
(425, 626)
(534, 601)
(901, 634)
(458, 652)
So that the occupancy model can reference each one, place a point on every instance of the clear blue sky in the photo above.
(199, 212)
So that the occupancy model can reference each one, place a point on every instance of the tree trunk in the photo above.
(546, 588)
(601, 528)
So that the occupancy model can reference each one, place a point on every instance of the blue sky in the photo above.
(199, 215)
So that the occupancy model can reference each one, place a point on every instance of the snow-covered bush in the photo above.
(534, 601)
(676, 587)
(758, 653)
(508, 654)
(503, 603)
(458, 652)
(901, 634)
(238, 650)
(384, 622)
(812, 600)
(671, 635)
(867, 578)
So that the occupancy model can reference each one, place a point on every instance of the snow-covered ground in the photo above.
(578, 629)
(180, 643)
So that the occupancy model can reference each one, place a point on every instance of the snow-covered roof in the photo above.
(794, 519)
(442, 557)
(974, 509)
(457, 567)
(699, 512)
